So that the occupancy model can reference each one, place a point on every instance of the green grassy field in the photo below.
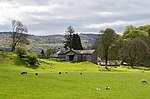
(124, 82)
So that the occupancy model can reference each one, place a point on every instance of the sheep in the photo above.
(51, 70)
(39, 63)
(23, 72)
(81, 73)
(142, 71)
(98, 89)
(36, 73)
(59, 73)
(107, 88)
(143, 81)
(66, 72)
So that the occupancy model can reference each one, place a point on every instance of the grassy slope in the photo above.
(50, 85)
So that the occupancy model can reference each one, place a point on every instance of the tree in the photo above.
(107, 39)
(131, 34)
(72, 40)
(20, 51)
(32, 58)
(19, 35)
(76, 42)
(43, 53)
(115, 49)
(144, 28)
(134, 52)
(68, 38)
(130, 27)
(49, 52)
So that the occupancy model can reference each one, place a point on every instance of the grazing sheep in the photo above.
(36, 73)
(66, 72)
(52, 67)
(59, 73)
(39, 63)
(107, 88)
(99, 69)
(23, 72)
(98, 89)
(143, 81)
(81, 73)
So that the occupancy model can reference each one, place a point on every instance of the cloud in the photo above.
(54, 16)
(102, 25)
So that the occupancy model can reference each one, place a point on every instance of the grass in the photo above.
(123, 81)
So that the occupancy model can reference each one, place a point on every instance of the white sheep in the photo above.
(107, 88)
(98, 89)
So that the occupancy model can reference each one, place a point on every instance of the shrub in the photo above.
(32, 58)
(20, 51)
(3, 54)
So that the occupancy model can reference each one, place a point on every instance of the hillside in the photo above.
(70, 84)
(44, 42)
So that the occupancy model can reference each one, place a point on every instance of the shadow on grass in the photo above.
(23, 62)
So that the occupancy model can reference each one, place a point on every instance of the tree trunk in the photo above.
(106, 58)
(132, 64)
(13, 48)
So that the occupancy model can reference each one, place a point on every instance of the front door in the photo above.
(71, 57)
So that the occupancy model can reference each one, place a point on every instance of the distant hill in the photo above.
(45, 42)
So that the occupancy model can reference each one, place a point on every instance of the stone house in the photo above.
(78, 55)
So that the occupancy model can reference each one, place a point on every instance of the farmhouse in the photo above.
(78, 55)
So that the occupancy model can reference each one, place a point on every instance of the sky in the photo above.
(47, 17)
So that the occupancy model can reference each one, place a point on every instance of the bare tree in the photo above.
(19, 34)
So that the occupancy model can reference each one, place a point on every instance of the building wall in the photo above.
(79, 58)
(94, 57)
(62, 57)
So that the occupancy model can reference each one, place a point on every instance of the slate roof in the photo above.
(81, 52)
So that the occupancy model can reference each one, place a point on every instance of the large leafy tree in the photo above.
(106, 41)
(134, 52)
(19, 34)
(131, 34)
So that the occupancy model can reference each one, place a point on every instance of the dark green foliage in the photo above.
(114, 49)
(72, 40)
(135, 52)
(135, 44)
(32, 58)
(106, 41)
(20, 51)
(68, 38)
(76, 42)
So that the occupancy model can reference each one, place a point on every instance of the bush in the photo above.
(32, 58)
(20, 51)
(3, 54)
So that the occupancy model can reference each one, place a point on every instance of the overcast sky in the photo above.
(46, 17)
